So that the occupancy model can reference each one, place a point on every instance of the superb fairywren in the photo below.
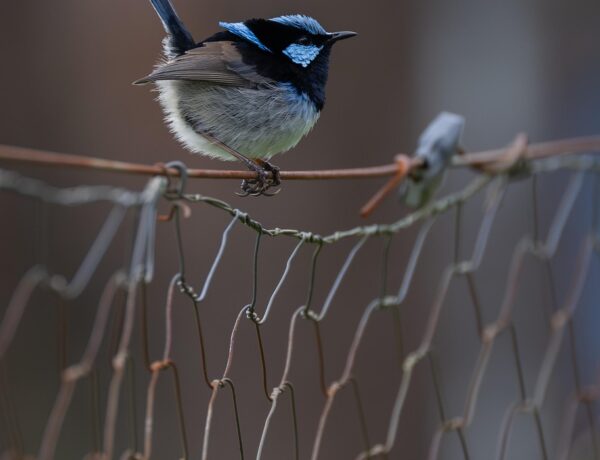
(248, 92)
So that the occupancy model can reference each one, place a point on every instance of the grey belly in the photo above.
(258, 123)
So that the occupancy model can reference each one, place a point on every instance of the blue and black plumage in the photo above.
(248, 92)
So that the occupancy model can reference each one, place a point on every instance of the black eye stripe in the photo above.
(277, 37)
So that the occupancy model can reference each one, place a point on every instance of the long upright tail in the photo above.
(180, 39)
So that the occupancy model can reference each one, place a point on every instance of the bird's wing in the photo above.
(216, 62)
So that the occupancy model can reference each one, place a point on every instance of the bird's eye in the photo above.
(303, 40)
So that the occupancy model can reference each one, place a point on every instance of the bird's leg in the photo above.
(262, 182)
(275, 178)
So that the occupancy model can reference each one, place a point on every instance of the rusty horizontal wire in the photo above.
(475, 159)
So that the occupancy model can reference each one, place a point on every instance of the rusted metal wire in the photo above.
(477, 159)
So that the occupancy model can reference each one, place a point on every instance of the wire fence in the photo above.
(376, 434)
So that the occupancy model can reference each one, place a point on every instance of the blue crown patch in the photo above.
(301, 22)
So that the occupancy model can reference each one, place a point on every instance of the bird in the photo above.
(248, 92)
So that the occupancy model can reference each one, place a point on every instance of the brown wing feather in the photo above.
(215, 62)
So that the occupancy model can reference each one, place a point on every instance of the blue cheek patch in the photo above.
(241, 30)
(301, 54)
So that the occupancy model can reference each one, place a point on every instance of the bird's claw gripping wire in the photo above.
(263, 181)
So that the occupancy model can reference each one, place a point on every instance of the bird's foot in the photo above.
(263, 181)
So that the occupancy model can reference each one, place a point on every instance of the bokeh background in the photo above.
(508, 67)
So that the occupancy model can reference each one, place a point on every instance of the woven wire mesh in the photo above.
(383, 406)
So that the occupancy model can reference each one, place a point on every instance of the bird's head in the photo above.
(301, 39)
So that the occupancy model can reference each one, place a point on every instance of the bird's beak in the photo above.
(335, 36)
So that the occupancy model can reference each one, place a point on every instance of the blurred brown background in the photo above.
(512, 66)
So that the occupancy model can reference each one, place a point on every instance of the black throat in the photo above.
(310, 80)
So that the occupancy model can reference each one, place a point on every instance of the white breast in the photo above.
(258, 123)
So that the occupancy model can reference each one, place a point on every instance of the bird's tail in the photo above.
(180, 39)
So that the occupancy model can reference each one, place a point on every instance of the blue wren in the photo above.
(248, 92)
